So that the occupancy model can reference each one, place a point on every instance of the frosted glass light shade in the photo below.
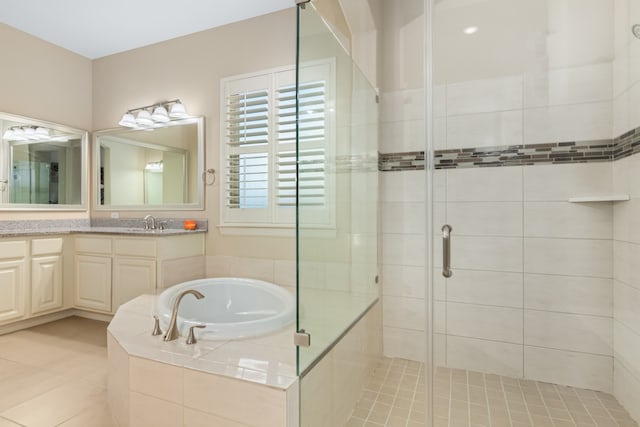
(144, 118)
(128, 120)
(30, 133)
(42, 133)
(160, 114)
(19, 135)
(178, 111)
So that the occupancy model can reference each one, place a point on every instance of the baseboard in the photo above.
(35, 321)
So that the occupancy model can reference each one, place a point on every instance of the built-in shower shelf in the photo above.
(589, 199)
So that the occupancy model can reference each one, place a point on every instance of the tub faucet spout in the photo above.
(172, 329)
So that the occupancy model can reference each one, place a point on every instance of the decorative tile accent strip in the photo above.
(518, 155)
(627, 144)
(401, 161)
(521, 155)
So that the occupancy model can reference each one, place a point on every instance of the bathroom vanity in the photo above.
(110, 271)
(47, 274)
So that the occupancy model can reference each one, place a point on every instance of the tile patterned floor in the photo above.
(395, 397)
(55, 375)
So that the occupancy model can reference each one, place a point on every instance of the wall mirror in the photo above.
(155, 168)
(43, 165)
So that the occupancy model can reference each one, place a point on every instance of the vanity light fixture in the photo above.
(150, 115)
(26, 133)
(154, 166)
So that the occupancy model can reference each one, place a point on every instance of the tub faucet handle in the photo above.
(191, 338)
(156, 326)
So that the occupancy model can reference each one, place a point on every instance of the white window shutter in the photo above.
(260, 152)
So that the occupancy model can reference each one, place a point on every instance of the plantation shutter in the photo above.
(260, 147)
(311, 145)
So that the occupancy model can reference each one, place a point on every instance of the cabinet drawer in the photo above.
(46, 246)
(93, 245)
(135, 247)
(14, 249)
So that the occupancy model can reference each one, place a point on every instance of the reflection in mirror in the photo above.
(151, 168)
(44, 165)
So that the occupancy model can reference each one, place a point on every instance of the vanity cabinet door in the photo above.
(46, 283)
(93, 282)
(132, 277)
(12, 290)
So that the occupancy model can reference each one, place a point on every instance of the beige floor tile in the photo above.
(98, 415)
(6, 423)
(56, 405)
(562, 423)
(28, 385)
(355, 422)
(396, 422)
(471, 399)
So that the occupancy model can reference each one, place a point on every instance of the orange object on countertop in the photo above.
(189, 224)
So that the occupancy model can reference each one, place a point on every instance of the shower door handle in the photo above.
(446, 250)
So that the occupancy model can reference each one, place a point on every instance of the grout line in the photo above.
(468, 398)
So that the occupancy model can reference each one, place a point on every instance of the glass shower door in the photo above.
(336, 215)
(530, 153)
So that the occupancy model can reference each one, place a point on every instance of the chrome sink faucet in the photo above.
(149, 222)
(172, 330)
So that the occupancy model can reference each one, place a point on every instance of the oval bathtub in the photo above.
(232, 308)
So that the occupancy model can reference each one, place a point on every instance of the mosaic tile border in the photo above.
(606, 150)
(524, 155)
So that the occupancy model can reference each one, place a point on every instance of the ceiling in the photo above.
(97, 28)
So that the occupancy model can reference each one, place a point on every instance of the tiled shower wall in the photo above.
(531, 291)
(402, 117)
(534, 275)
(626, 224)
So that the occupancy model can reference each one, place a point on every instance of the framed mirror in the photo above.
(154, 168)
(43, 165)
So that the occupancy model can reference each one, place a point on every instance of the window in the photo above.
(259, 149)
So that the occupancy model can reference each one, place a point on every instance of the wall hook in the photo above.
(209, 176)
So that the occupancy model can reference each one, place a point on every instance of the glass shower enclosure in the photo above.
(337, 221)
(533, 178)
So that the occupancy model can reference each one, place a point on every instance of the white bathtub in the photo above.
(232, 308)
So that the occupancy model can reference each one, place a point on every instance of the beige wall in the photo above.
(190, 68)
(45, 82)
(357, 25)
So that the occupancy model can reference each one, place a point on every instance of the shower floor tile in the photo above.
(395, 397)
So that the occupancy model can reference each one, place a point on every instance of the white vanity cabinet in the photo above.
(93, 273)
(134, 268)
(46, 275)
(111, 270)
(13, 280)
